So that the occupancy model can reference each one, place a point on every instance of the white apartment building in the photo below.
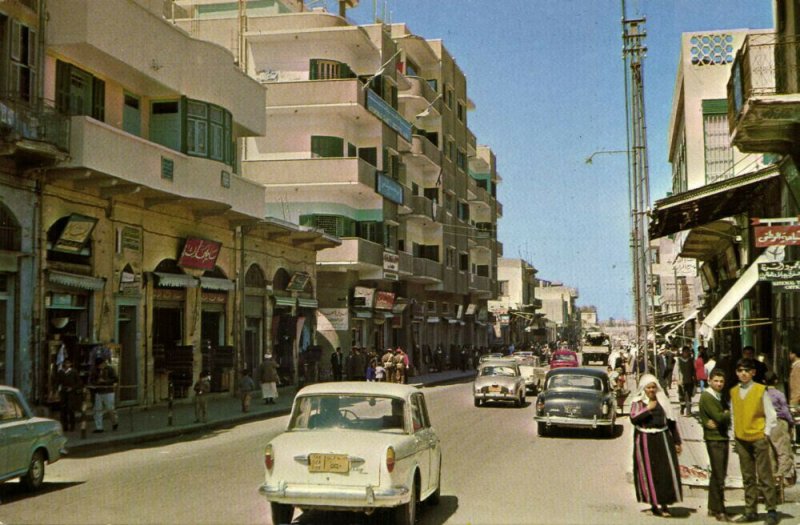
(515, 308)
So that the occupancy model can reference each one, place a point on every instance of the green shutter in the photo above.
(98, 99)
(184, 114)
(717, 106)
(327, 146)
(313, 69)
(63, 77)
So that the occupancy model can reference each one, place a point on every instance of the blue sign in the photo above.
(389, 188)
(388, 115)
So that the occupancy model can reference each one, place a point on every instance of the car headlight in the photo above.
(605, 409)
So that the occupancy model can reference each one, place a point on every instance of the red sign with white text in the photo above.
(200, 254)
(777, 235)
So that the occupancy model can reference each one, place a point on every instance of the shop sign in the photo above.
(784, 276)
(199, 253)
(214, 297)
(391, 276)
(298, 282)
(75, 234)
(388, 115)
(471, 309)
(391, 261)
(363, 296)
(169, 294)
(333, 319)
(389, 188)
(384, 300)
(129, 283)
(460, 311)
(777, 235)
(130, 238)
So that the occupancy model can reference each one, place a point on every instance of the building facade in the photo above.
(514, 310)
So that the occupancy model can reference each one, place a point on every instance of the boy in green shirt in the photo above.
(716, 419)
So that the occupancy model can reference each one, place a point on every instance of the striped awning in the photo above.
(214, 283)
(303, 302)
(72, 280)
(175, 280)
(283, 300)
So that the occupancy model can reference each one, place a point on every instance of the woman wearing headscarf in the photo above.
(656, 445)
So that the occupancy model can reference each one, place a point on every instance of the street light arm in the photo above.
(606, 151)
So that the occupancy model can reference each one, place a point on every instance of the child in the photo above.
(246, 388)
(380, 373)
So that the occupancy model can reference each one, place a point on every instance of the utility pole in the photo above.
(633, 53)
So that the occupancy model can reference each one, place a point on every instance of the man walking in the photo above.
(794, 377)
(753, 418)
(103, 382)
(716, 420)
(687, 381)
(337, 362)
(70, 388)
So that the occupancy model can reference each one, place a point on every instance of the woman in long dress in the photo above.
(656, 445)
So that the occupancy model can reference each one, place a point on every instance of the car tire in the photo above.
(436, 495)
(33, 479)
(541, 430)
(523, 400)
(281, 513)
(407, 514)
(477, 402)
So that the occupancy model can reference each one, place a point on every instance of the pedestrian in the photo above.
(71, 390)
(371, 368)
(794, 377)
(749, 352)
(687, 382)
(399, 366)
(337, 362)
(268, 378)
(715, 419)
(781, 436)
(388, 364)
(246, 388)
(103, 382)
(753, 418)
(669, 368)
(700, 368)
(656, 445)
(380, 372)
(360, 364)
(201, 390)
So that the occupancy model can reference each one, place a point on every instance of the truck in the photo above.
(596, 347)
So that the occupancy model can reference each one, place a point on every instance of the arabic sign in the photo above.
(298, 282)
(199, 253)
(332, 319)
(777, 235)
(386, 113)
(784, 276)
(384, 300)
(363, 296)
(389, 188)
(75, 234)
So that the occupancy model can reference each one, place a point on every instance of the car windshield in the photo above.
(575, 381)
(348, 411)
(498, 371)
(564, 357)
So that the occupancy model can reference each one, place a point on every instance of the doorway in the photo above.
(129, 355)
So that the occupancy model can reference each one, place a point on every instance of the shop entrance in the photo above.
(252, 343)
(128, 358)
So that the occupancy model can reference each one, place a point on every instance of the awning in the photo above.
(303, 302)
(399, 308)
(708, 240)
(383, 314)
(678, 326)
(363, 314)
(175, 280)
(453, 321)
(711, 202)
(214, 283)
(72, 280)
(433, 319)
(284, 300)
(737, 292)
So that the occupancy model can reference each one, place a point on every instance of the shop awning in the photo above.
(383, 314)
(399, 308)
(72, 280)
(678, 326)
(711, 202)
(433, 319)
(284, 300)
(304, 302)
(737, 292)
(175, 280)
(452, 321)
(363, 314)
(708, 240)
(214, 283)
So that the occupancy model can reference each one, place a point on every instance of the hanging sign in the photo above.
(200, 254)
(784, 276)
(777, 235)
(75, 234)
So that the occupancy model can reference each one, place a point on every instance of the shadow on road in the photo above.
(11, 492)
(426, 515)
(584, 433)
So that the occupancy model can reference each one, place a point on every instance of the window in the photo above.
(432, 194)
(431, 307)
(502, 287)
(461, 160)
(10, 408)
(322, 69)
(655, 255)
(22, 62)
(369, 155)
(370, 230)
(463, 211)
(330, 224)
(389, 236)
(463, 262)
(78, 92)
(450, 260)
(460, 111)
(322, 147)
(197, 129)
(718, 151)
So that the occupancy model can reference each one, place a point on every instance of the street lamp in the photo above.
(604, 151)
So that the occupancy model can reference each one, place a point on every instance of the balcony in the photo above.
(406, 263)
(764, 94)
(424, 150)
(499, 247)
(341, 98)
(161, 62)
(111, 162)
(480, 285)
(426, 271)
(422, 208)
(353, 254)
(499, 208)
(34, 135)
(420, 97)
(472, 143)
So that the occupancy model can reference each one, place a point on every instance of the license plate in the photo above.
(572, 410)
(338, 463)
(494, 388)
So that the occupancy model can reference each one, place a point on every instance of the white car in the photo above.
(357, 446)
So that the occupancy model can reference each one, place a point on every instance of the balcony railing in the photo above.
(422, 146)
(37, 122)
(427, 268)
(480, 283)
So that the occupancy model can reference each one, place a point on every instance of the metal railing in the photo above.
(38, 121)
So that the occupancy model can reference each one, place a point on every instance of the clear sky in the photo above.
(547, 80)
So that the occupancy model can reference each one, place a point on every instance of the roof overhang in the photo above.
(711, 202)
(704, 242)
(285, 232)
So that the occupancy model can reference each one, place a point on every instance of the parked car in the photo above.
(27, 442)
(499, 380)
(486, 357)
(563, 358)
(576, 398)
(354, 446)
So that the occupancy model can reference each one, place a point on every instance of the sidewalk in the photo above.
(141, 424)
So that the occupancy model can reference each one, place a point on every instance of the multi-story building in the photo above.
(516, 304)
(367, 139)
(147, 245)
(33, 136)
(558, 306)
(719, 185)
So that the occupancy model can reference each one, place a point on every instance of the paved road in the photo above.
(496, 470)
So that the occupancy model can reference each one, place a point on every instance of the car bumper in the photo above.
(308, 496)
(497, 396)
(574, 422)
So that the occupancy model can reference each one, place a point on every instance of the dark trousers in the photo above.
(686, 393)
(756, 466)
(69, 404)
(718, 458)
